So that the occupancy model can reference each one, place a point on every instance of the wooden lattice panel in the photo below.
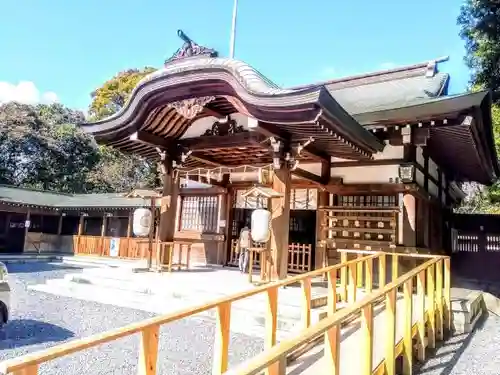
(365, 228)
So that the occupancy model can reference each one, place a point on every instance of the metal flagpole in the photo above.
(233, 29)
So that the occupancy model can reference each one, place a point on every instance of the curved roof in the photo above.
(206, 81)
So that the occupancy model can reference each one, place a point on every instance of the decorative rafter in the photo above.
(223, 128)
(190, 108)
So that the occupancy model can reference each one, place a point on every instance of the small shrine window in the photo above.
(199, 213)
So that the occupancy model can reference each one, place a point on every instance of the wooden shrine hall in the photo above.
(368, 162)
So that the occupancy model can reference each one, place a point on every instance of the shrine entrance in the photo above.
(302, 233)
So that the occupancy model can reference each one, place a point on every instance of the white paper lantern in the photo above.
(142, 222)
(260, 225)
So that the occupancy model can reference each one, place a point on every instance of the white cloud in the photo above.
(25, 92)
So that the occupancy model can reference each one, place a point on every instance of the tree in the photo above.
(479, 21)
(117, 171)
(40, 147)
(114, 93)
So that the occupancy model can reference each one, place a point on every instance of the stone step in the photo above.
(104, 262)
(121, 280)
(110, 283)
(467, 310)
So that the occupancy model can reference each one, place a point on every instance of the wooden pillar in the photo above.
(59, 225)
(168, 210)
(321, 249)
(280, 222)
(59, 231)
(129, 224)
(26, 229)
(409, 220)
(81, 223)
(104, 227)
(129, 231)
(227, 216)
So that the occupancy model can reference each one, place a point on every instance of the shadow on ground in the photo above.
(443, 359)
(23, 332)
(38, 267)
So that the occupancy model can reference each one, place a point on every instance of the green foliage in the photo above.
(41, 147)
(114, 93)
(116, 171)
(479, 21)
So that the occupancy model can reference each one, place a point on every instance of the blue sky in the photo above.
(71, 47)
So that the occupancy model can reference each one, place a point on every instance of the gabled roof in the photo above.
(390, 88)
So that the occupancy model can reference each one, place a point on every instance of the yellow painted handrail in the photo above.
(273, 359)
(262, 361)
(222, 305)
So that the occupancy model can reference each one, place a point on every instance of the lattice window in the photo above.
(367, 200)
(304, 199)
(199, 213)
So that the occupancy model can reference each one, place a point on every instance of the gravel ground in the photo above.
(469, 354)
(40, 320)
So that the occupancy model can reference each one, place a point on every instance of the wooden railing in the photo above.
(299, 257)
(433, 305)
(149, 329)
(433, 284)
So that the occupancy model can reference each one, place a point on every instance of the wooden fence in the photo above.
(436, 315)
(299, 257)
(133, 248)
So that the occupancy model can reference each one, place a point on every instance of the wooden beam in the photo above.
(270, 130)
(369, 188)
(149, 139)
(413, 136)
(214, 190)
(366, 163)
(219, 142)
(202, 179)
(308, 176)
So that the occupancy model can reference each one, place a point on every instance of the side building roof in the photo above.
(16, 196)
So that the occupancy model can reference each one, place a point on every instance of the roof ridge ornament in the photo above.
(431, 69)
(190, 49)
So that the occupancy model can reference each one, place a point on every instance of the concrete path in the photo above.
(313, 362)
(167, 293)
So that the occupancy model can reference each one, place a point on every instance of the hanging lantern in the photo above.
(142, 222)
(261, 220)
